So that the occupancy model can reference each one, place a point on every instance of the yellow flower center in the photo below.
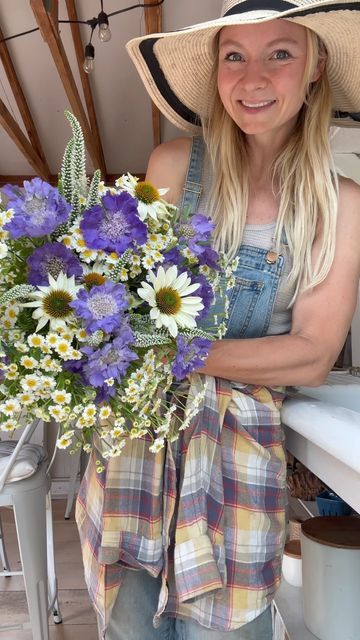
(168, 301)
(94, 279)
(56, 304)
(145, 192)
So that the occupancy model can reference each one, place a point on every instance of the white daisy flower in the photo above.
(28, 362)
(61, 397)
(30, 383)
(53, 302)
(157, 445)
(3, 250)
(105, 413)
(65, 440)
(169, 297)
(57, 412)
(9, 425)
(26, 398)
(34, 340)
(89, 412)
(10, 407)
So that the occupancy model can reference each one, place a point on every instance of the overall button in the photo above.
(271, 257)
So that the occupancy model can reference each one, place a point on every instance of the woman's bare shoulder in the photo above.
(349, 194)
(168, 165)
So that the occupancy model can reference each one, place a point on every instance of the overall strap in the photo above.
(193, 185)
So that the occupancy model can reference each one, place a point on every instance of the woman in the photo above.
(204, 526)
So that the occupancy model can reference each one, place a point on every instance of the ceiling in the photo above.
(122, 109)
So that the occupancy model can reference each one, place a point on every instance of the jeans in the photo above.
(134, 609)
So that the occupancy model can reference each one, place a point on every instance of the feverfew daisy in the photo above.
(34, 340)
(61, 397)
(10, 407)
(53, 302)
(170, 299)
(30, 382)
(65, 440)
(28, 362)
(57, 412)
(9, 425)
(3, 250)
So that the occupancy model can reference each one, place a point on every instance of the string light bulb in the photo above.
(88, 65)
(104, 29)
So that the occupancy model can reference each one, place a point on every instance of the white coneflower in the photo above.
(150, 202)
(170, 299)
(53, 302)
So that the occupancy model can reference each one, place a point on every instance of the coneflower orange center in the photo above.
(146, 193)
(94, 279)
(57, 304)
(168, 301)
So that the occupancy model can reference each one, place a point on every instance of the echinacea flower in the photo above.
(169, 297)
(38, 209)
(53, 302)
(150, 202)
(51, 259)
(113, 225)
(101, 307)
(189, 355)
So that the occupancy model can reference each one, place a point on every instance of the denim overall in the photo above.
(257, 277)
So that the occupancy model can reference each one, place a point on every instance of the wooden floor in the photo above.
(79, 621)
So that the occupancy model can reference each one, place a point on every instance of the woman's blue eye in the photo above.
(282, 55)
(233, 57)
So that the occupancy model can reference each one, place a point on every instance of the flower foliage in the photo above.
(103, 291)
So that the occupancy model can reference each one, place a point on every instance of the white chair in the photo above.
(31, 500)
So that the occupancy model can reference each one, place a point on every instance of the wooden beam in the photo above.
(153, 24)
(21, 102)
(12, 128)
(52, 7)
(79, 50)
(62, 64)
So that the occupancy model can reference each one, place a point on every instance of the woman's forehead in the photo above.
(264, 32)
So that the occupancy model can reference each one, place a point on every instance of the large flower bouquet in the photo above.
(101, 294)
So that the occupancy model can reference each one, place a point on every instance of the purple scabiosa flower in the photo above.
(110, 361)
(114, 225)
(52, 258)
(38, 209)
(189, 356)
(101, 307)
(206, 293)
(173, 257)
(208, 257)
(195, 232)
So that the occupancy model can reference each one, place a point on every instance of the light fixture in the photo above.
(104, 29)
(88, 65)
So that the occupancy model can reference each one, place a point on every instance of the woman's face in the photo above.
(260, 75)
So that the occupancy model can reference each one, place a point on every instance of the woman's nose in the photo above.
(254, 76)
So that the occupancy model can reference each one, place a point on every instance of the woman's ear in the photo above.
(319, 69)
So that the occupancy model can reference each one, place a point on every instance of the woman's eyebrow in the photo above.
(237, 43)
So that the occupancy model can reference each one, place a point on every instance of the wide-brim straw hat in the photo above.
(176, 67)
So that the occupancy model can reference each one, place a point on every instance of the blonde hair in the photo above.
(304, 171)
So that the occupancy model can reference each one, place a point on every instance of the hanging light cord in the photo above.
(92, 22)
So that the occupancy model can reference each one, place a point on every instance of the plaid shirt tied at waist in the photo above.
(207, 512)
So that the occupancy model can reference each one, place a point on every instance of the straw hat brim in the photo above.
(179, 83)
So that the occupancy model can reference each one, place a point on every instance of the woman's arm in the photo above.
(168, 165)
(321, 319)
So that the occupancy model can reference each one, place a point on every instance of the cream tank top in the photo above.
(261, 236)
